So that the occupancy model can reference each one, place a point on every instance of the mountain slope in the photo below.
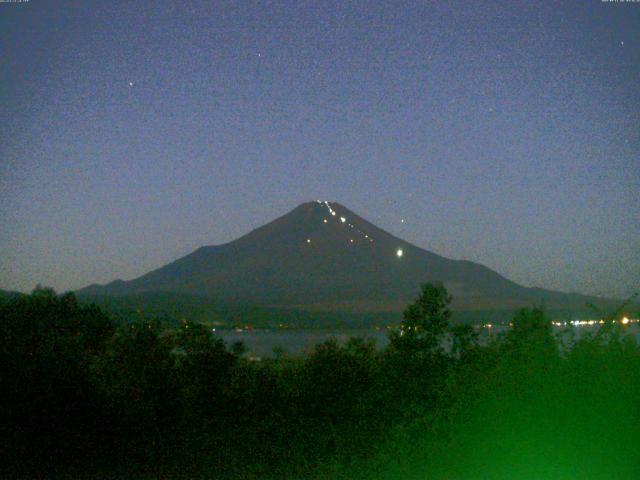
(6, 295)
(323, 256)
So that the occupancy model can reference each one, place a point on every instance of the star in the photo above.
(131, 84)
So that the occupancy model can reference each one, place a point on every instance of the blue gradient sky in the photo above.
(134, 132)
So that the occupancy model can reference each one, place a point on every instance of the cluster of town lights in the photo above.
(581, 323)
(584, 323)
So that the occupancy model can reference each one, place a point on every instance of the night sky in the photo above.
(134, 132)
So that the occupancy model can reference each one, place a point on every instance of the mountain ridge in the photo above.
(322, 253)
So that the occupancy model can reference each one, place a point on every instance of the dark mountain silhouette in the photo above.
(322, 256)
(7, 295)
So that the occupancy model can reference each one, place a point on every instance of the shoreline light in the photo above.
(399, 253)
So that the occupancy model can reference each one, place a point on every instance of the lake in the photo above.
(261, 343)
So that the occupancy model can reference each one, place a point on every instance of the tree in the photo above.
(530, 344)
(531, 330)
(463, 338)
(48, 344)
(204, 369)
(425, 320)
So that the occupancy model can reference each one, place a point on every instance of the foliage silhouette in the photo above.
(424, 321)
(86, 396)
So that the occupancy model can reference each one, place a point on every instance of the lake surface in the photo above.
(261, 343)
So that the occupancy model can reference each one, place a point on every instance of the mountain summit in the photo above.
(323, 256)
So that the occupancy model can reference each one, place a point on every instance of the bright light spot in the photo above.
(351, 240)
(325, 220)
(342, 219)
(131, 84)
(402, 220)
(399, 253)
(333, 213)
(308, 240)
(625, 320)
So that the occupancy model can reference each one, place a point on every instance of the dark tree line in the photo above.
(85, 397)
